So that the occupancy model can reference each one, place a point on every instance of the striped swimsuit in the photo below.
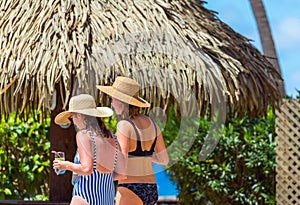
(97, 188)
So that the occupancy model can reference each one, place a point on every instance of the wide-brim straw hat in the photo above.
(84, 104)
(126, 90)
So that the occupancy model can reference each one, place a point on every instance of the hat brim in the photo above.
(111, 91)
(63, 117)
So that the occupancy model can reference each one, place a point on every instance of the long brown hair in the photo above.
(97, 125)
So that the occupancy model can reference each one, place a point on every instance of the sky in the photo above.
(284, 20)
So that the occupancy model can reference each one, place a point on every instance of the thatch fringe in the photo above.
(176, 49)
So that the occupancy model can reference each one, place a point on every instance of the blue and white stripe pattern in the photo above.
(98, 188)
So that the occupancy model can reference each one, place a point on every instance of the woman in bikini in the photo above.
(140, 140)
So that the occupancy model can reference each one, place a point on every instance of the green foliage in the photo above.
(110, 123)
(240, 170)
(24, 159)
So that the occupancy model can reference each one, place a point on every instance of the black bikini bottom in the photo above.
(147, 192)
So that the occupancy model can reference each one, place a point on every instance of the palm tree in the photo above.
(266, 38)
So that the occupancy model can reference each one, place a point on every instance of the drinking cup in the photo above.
(59, 156)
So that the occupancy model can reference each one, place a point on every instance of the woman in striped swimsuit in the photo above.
(97, 152)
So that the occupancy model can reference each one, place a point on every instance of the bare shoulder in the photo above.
(123, 123)
(83, 135)
(124, 127)
(142, 121)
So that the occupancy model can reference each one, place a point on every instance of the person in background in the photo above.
(140, 140)
(97, 152)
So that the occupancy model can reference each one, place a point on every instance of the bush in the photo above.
(240, 170)
(24, 159)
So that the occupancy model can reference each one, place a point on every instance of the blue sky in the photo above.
(284, 19)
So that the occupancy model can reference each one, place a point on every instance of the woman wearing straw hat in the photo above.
(141, 142)
(97, 152)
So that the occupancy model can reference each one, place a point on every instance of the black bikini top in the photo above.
(138, 152)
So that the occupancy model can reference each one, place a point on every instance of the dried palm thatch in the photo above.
(177, 48)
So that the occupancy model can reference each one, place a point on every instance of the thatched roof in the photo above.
(176, 48)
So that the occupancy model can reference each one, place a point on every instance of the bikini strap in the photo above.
(138, 138)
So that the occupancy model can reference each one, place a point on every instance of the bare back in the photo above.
(139, 168)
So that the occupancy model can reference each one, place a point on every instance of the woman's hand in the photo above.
(60, 165)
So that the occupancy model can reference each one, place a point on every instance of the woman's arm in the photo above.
(124, 144)
(160, 154)
(85, 154)
(123, 134)
(124, 129)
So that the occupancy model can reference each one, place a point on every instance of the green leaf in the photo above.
(7, 191)
(30, 176)
(46, 146)
(40, 169)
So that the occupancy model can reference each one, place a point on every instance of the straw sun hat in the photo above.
(126, 90)
(84, 104)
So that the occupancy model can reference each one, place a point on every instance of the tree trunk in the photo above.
(61, 139)
(266, 38)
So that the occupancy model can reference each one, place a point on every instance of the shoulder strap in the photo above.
(94, 148)
(138, 138)
(117, 151)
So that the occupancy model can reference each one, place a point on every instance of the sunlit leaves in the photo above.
(24, 158)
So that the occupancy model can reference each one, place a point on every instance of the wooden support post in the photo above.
(61, 139)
